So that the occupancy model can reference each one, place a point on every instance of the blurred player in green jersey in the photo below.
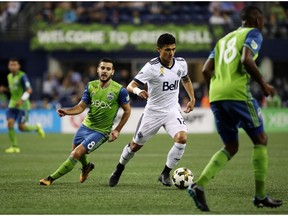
(19, 104)
(227, 73)
(103, 97)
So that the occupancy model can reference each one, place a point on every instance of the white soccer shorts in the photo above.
(149, 125)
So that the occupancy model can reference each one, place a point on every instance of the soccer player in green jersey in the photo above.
(19, 104)
(103, 97)
(227, 72)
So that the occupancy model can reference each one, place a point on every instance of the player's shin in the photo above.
(260, 165)
(216, 163)
(84, 160)
(30, 127)
(126, 155)
(175, 154)
(12, 137)
(64, 168)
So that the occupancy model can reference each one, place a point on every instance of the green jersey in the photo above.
(18, 84)
(104, 104)
(230, 80)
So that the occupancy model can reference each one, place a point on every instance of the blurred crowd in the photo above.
(65, 88)
(142, 12)
(8, 12)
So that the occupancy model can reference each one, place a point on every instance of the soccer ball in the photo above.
(182, 178)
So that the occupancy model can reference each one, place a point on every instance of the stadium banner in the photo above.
(198, 121)
(275, 120)
(49, 120)
(107, 38)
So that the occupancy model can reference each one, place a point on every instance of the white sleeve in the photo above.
(144, 74)
(185, 69)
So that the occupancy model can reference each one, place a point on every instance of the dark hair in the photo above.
(106, 60)
(250, 13)
(165, 39)
(14, 59)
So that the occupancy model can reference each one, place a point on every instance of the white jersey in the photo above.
(163, 84)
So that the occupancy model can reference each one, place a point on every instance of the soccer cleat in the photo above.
(40, 130)
(46, 181)
(198, 197)
(12, 150)
(266, 202)
(114, 178)
(85, 171)
(165, 179)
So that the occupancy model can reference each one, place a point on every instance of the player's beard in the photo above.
(105, 80)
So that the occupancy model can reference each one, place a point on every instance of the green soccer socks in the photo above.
(218, 160)
(260, 165)
(64, 168)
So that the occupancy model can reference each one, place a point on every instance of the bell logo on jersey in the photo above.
(167, 86)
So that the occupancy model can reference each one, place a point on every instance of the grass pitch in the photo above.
(138, 191)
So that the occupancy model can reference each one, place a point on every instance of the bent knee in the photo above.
(232, 150)
(78, 152)
(22, 128)
(180, 137)
(135, 147)
(262, 139)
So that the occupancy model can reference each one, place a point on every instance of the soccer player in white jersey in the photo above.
(162, 76)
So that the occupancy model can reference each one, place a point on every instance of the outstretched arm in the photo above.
(79, 108)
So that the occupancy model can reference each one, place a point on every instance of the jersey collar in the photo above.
(166, 66)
